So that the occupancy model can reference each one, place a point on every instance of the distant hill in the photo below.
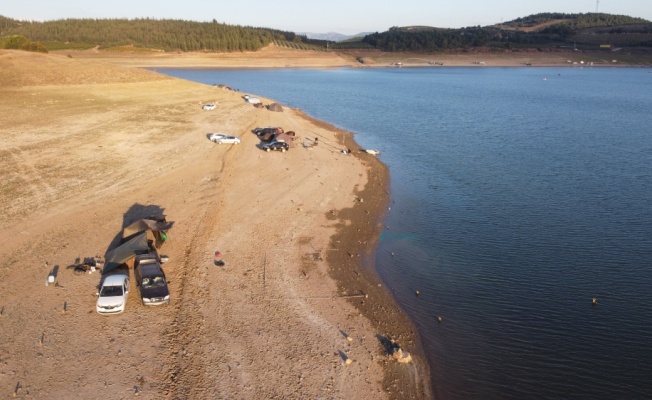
(163, 35)
(573, 21)
(546, 30)
(538, 31)
(332, 36)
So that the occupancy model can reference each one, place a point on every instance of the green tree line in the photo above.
(168, 35)
(434, 39)
(429, 39)
(180, 35)
(576, 21)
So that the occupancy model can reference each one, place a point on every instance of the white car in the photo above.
(221, 138)
(208, 107)
(112, 297)
(216, 136)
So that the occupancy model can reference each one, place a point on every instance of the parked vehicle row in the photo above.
(271, 137)
(150, 279)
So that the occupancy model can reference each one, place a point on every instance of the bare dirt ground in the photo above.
(278, 57)
(269, 57)
(88, 148)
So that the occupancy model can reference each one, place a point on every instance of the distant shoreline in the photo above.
(275, 57)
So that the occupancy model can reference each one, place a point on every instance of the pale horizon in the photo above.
(336, 16)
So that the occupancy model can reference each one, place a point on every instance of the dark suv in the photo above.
(269, 129)
(282, 146)
(151, 281)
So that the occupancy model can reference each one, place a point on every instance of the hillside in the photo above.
(163, 35)
(550, 30)
(541, 31)
(573, 21)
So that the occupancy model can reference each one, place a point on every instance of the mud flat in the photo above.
(295, 312)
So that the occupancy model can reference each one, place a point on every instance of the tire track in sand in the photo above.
(184, 373)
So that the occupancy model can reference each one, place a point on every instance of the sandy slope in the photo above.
(279, 57)
(268, 57)
(87, 148)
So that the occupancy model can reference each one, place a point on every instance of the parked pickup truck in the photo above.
(151, 280)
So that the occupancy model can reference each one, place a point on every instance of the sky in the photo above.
(341, 16)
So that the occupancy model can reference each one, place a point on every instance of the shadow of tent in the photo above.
(133, 214)
(124, 252)
(143, 230)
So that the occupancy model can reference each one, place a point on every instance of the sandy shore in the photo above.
(89, 147)
(276, 57)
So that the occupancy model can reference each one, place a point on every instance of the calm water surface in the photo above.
(518, 195)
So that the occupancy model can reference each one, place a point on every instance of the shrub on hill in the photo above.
(18, 42)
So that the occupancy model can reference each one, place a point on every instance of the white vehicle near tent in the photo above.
(113, 294)
(227, 139)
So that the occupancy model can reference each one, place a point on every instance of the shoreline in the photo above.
(290, 288)
(276, 57)
(293, 307)
(353, 266)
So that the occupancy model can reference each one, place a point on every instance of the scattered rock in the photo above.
(401, 356)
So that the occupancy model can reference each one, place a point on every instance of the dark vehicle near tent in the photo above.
(282, 146)
(151, 280)
(266, 130)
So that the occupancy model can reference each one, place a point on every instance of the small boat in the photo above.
(374, 152)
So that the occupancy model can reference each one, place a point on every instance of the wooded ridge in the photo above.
(544, 30)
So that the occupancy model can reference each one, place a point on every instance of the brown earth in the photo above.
(269, 57)
(533, 28)
(88, 147)
(278, 57)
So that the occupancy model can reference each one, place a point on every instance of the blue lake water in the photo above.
(518, 195)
